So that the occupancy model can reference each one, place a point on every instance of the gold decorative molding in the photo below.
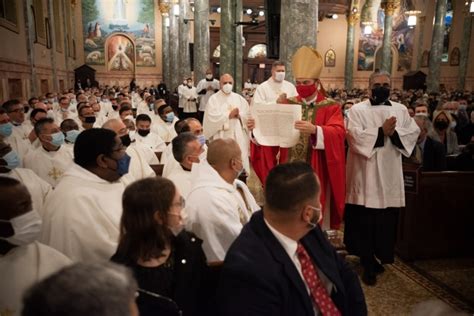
(353, 18)
(389, 7)
(165, 8)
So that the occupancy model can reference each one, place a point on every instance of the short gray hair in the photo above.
(104, 289)
(381, 73)
(180, 145)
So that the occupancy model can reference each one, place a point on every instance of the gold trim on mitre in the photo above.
(307, 63)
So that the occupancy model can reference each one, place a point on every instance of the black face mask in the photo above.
(441, 125)
(143, 132)
(380, 94)
(89, 119)
(26, 109)
(115, 107)
(126, 141)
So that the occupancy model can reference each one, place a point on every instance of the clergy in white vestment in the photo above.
(144, 136)
(146, 105)
(180, 89)
(206, 88)
(270, 90)
(64, 110)
(379, 132)
(23, 260)
(186, 151)
(9, 167)
(70, 129)
(141, 157)
(50, 160)
(190, 96)
(81, 217)
(226, 117)
(18, 137)
(219, 205)
(100, 117)
(113, 109)
(163, 121)
(35, 116)
(86, 116)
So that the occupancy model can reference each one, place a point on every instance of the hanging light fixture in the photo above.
(176, 9)
(471, 7)
(411, 22)
(366, 18)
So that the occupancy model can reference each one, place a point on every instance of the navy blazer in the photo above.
(434, 155)
(259, 278)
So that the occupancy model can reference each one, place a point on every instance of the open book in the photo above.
(274, 124)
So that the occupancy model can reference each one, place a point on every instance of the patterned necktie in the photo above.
(318, 292)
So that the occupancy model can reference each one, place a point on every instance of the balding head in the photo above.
(117, 126)
(225, 156)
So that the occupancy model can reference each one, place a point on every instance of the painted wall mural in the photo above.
(119, 34)
(403, 38)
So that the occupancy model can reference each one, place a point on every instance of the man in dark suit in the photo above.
(432, 151)
(281, 263)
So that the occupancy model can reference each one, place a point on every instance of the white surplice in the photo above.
(38, 188)
(49, 165)
(23, 267)
(189, 94)
(216, 210)
(152, 140)
(19, 141)
(164, 129)
(141, 157)
(81, 216)
(218, 125)
(181, 179)
(270, 90)
(213, 84)
(374, 174)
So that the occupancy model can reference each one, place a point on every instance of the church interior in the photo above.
(131, 50)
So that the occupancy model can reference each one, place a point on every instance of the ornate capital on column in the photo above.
(165, 7)
(389, 6)
(353, 18)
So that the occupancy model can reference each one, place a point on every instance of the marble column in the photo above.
(389, 9)
(464, 56)
(238, 60)
(30, 45)
(352, 19)
(165, 50)
(227, 37)
(201, 39)
(432, 81)
(298, 27)
(421, 35)
(175, 78)
(184, 61)
(52, 45)
(66, 44)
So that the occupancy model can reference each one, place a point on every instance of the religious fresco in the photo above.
(403, 38)
(258, 51)
(134, 19)
(330, 58)
(455, 56)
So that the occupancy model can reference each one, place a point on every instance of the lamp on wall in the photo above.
(471, 7)
(176, 9)
(411, 22)
(366, 18)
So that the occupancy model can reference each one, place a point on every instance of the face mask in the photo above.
(115, 107)
(227, 88)
(462, 106)
(421, 114)
(126, 141)
(316, 218)
(441, 125)
(380, 94)
(239, 173)
(50, 101)
(57, 139)
(202, 139)
(89, 119)
(346, 112)
(209, 77)
(26, 228)
(169, 117)
(50, 114)
(190, 85)
(452, 124)
(12, 160)
(6, 129)
(123, 164)
(151, 106)
(26, 109)
(279, 76)
(129, 117)
(72, 135)
(177, 229)
(143, 132)
(305, 91)
(185, 82)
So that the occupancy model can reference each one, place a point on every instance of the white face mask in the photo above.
(209, 77)
(129, 117)
(26, 228)
(279, 76)
(50, 114)
(227, 88)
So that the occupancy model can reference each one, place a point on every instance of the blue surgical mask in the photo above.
(170, 117)
(123, 164)
(12, 160)
(202, 139)
(72, 135)
(6, 129)
(57, 139)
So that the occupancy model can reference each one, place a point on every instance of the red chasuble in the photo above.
(264, 158)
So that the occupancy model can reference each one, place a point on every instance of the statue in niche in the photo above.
(120, 10)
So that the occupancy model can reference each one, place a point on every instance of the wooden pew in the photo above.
(438, 218)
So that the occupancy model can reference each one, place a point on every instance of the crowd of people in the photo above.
(117, 174)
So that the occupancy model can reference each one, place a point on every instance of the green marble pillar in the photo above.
(165, 51)
(298, 27)
(52, 45)
(227, 37)
(352, 19)
(174, 52)
(184, 61)
(238, 60)
(421, 34)
(389, 9)
(432, 81)
(466, 43)
(30, 44)
(201, 39)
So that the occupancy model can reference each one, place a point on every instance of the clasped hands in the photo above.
(389, 125)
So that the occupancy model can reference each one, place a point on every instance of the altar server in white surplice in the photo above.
(219, 205)
(9, 167)
(81, 217)
(226, 117)
(379, 132)
(23, 260)
(20, 131)
(51, 159)
(206, 88)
